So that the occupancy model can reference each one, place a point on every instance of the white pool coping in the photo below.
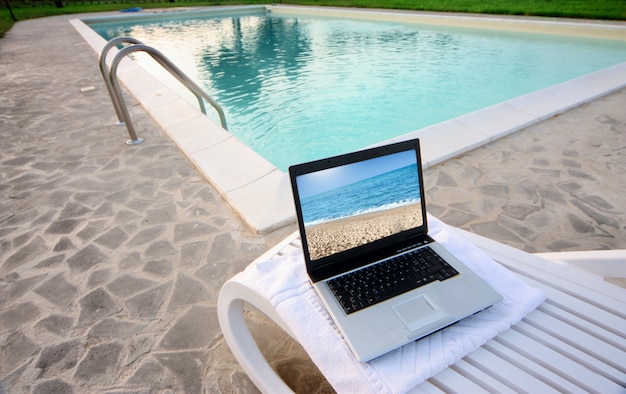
(261, 193)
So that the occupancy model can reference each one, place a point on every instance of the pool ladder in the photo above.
(113, 86)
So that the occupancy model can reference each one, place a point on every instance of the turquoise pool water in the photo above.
(298, 88)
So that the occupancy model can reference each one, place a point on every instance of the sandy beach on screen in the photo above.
(342, 234)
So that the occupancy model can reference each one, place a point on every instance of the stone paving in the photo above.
(556, 186)
(112, 256)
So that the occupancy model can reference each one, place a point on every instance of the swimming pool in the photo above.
(260, 192)
(297, 87)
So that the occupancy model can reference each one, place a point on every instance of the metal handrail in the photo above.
(105, 72)
(116, 93)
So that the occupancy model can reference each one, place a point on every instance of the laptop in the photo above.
(384, 281)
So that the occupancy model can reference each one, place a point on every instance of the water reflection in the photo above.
(253, 54)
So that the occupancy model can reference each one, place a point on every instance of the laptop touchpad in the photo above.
(418, 313)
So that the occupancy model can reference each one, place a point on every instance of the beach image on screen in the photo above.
(348, 206)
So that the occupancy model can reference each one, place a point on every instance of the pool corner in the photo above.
(245, 179)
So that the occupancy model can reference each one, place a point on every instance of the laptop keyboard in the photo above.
(379, 282)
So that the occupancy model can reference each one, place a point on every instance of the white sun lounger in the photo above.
(574, 342)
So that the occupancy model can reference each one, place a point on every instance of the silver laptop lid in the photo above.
(356, 208)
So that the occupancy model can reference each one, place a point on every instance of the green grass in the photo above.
(590, 9)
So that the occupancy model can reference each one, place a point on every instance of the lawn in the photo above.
(590, 9)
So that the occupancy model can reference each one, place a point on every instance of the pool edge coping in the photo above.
(534, 24)
(248, 181)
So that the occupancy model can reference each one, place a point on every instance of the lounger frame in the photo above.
(574, 342)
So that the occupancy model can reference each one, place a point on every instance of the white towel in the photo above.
(285, 283)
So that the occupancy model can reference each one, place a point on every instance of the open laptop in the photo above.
(384, 281)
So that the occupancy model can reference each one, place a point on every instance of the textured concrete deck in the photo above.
(112, 256)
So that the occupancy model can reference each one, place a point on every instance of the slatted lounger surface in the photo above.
(574, 342)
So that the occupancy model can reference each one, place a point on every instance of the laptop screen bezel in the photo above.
(338, 263)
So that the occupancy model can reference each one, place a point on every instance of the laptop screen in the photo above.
(353, 204)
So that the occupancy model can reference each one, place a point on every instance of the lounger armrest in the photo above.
(608, 263)
(238, 337)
